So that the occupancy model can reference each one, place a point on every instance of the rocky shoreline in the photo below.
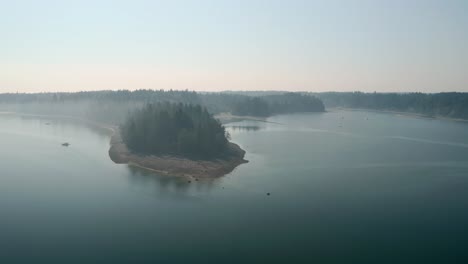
(176, 166)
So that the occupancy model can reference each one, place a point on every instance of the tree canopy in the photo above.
(278, 104)
(174, 128)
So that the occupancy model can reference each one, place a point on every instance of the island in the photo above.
(175, 139)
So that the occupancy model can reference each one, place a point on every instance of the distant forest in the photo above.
(113, 106)
(453, 105)
(174, 128)
(278, 104)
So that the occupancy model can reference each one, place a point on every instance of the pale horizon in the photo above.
(381, 46)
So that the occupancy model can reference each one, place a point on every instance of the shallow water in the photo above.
(345, 186)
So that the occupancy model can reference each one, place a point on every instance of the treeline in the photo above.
(293, 103)
(142, 95)
(169, 128)
(454, 105)
(103, 106)
(278, 104)
(252, 106)
(112, 106)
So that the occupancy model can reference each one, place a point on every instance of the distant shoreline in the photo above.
(164, 164)
(409, 114)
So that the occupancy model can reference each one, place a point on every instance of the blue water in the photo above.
(346, 187)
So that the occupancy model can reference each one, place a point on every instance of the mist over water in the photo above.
(345, 187)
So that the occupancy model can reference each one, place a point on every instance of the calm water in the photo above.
(346, 187)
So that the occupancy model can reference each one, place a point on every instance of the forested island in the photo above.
(176, 139)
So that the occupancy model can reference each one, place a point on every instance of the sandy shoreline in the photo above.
(163, 165)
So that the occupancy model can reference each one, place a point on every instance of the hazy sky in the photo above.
(392, 45)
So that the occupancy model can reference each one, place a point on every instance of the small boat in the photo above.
(66, 144)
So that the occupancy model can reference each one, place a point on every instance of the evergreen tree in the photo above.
(181, 129)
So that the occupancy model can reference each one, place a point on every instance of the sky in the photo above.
(348, 45)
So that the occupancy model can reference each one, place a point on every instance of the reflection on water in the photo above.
(167, 185)
(247, 125)
(244, 128)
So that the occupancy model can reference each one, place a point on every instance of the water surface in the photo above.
(345, 187)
